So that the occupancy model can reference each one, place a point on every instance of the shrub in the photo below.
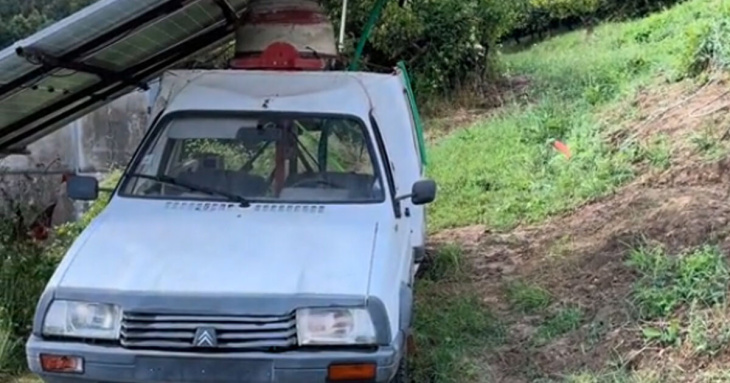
(25, 268)
(443, 42)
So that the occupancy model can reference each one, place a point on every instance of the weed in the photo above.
(564, 321)
(526, 297)
(449, 329)
(666, 283)
(668, 334)
(7, 343)
(708, 46)
(695, 281)
(708, 332)
(708, 144)
(25, 268)
(658, 152)
(446, 264)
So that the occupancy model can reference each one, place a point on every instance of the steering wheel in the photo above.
(315, 182)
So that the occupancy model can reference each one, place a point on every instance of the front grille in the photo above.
(233, 333)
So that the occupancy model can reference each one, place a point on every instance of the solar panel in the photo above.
(98, 54)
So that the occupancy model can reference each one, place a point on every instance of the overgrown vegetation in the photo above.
(509, 172)
(453, 326)
(682, 296)
(25, 267)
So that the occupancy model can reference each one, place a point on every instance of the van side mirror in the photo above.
(82, 188)
(423, 192)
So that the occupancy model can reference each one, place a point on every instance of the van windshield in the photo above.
(297, 158)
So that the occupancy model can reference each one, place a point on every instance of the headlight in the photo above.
(334, 326)
(82, 320)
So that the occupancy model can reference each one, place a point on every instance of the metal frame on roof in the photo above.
(36, 99)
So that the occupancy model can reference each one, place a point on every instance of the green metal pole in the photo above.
(374, 15)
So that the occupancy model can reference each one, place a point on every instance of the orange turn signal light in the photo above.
(62, 363)
(351, 372)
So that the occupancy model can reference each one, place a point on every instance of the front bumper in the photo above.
(113, 364)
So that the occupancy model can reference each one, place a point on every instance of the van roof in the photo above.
(232, 90)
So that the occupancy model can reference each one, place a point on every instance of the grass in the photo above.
(709, 143)
(682, 298)
(565, 320)
(452, 326)
(698, 278)
(507, 170)
(527, 298)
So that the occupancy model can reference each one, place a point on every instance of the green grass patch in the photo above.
(709, 142)
(683, 299)
(666, 283)
(446, 264)
(452, 325)
(505, 171)
(658, 152)
(451, 330)
(527, 298)
(565, 320)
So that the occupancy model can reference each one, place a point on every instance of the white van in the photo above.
(266, 230)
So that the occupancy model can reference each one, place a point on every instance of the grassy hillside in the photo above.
(609, 266)
(508, 171)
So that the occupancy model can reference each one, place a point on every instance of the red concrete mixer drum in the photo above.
(285, 35)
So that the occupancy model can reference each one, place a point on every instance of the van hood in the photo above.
(223, 253)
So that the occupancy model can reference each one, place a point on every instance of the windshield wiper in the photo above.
(192, 187)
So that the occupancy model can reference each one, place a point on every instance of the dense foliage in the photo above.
(20, 18)
(447, 43)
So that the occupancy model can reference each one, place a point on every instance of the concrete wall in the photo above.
(102, 140)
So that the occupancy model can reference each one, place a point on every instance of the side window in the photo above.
(414, 135)
(348, 151)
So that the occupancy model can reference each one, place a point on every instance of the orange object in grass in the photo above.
(562, 148)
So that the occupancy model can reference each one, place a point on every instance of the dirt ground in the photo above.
(580, 257)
